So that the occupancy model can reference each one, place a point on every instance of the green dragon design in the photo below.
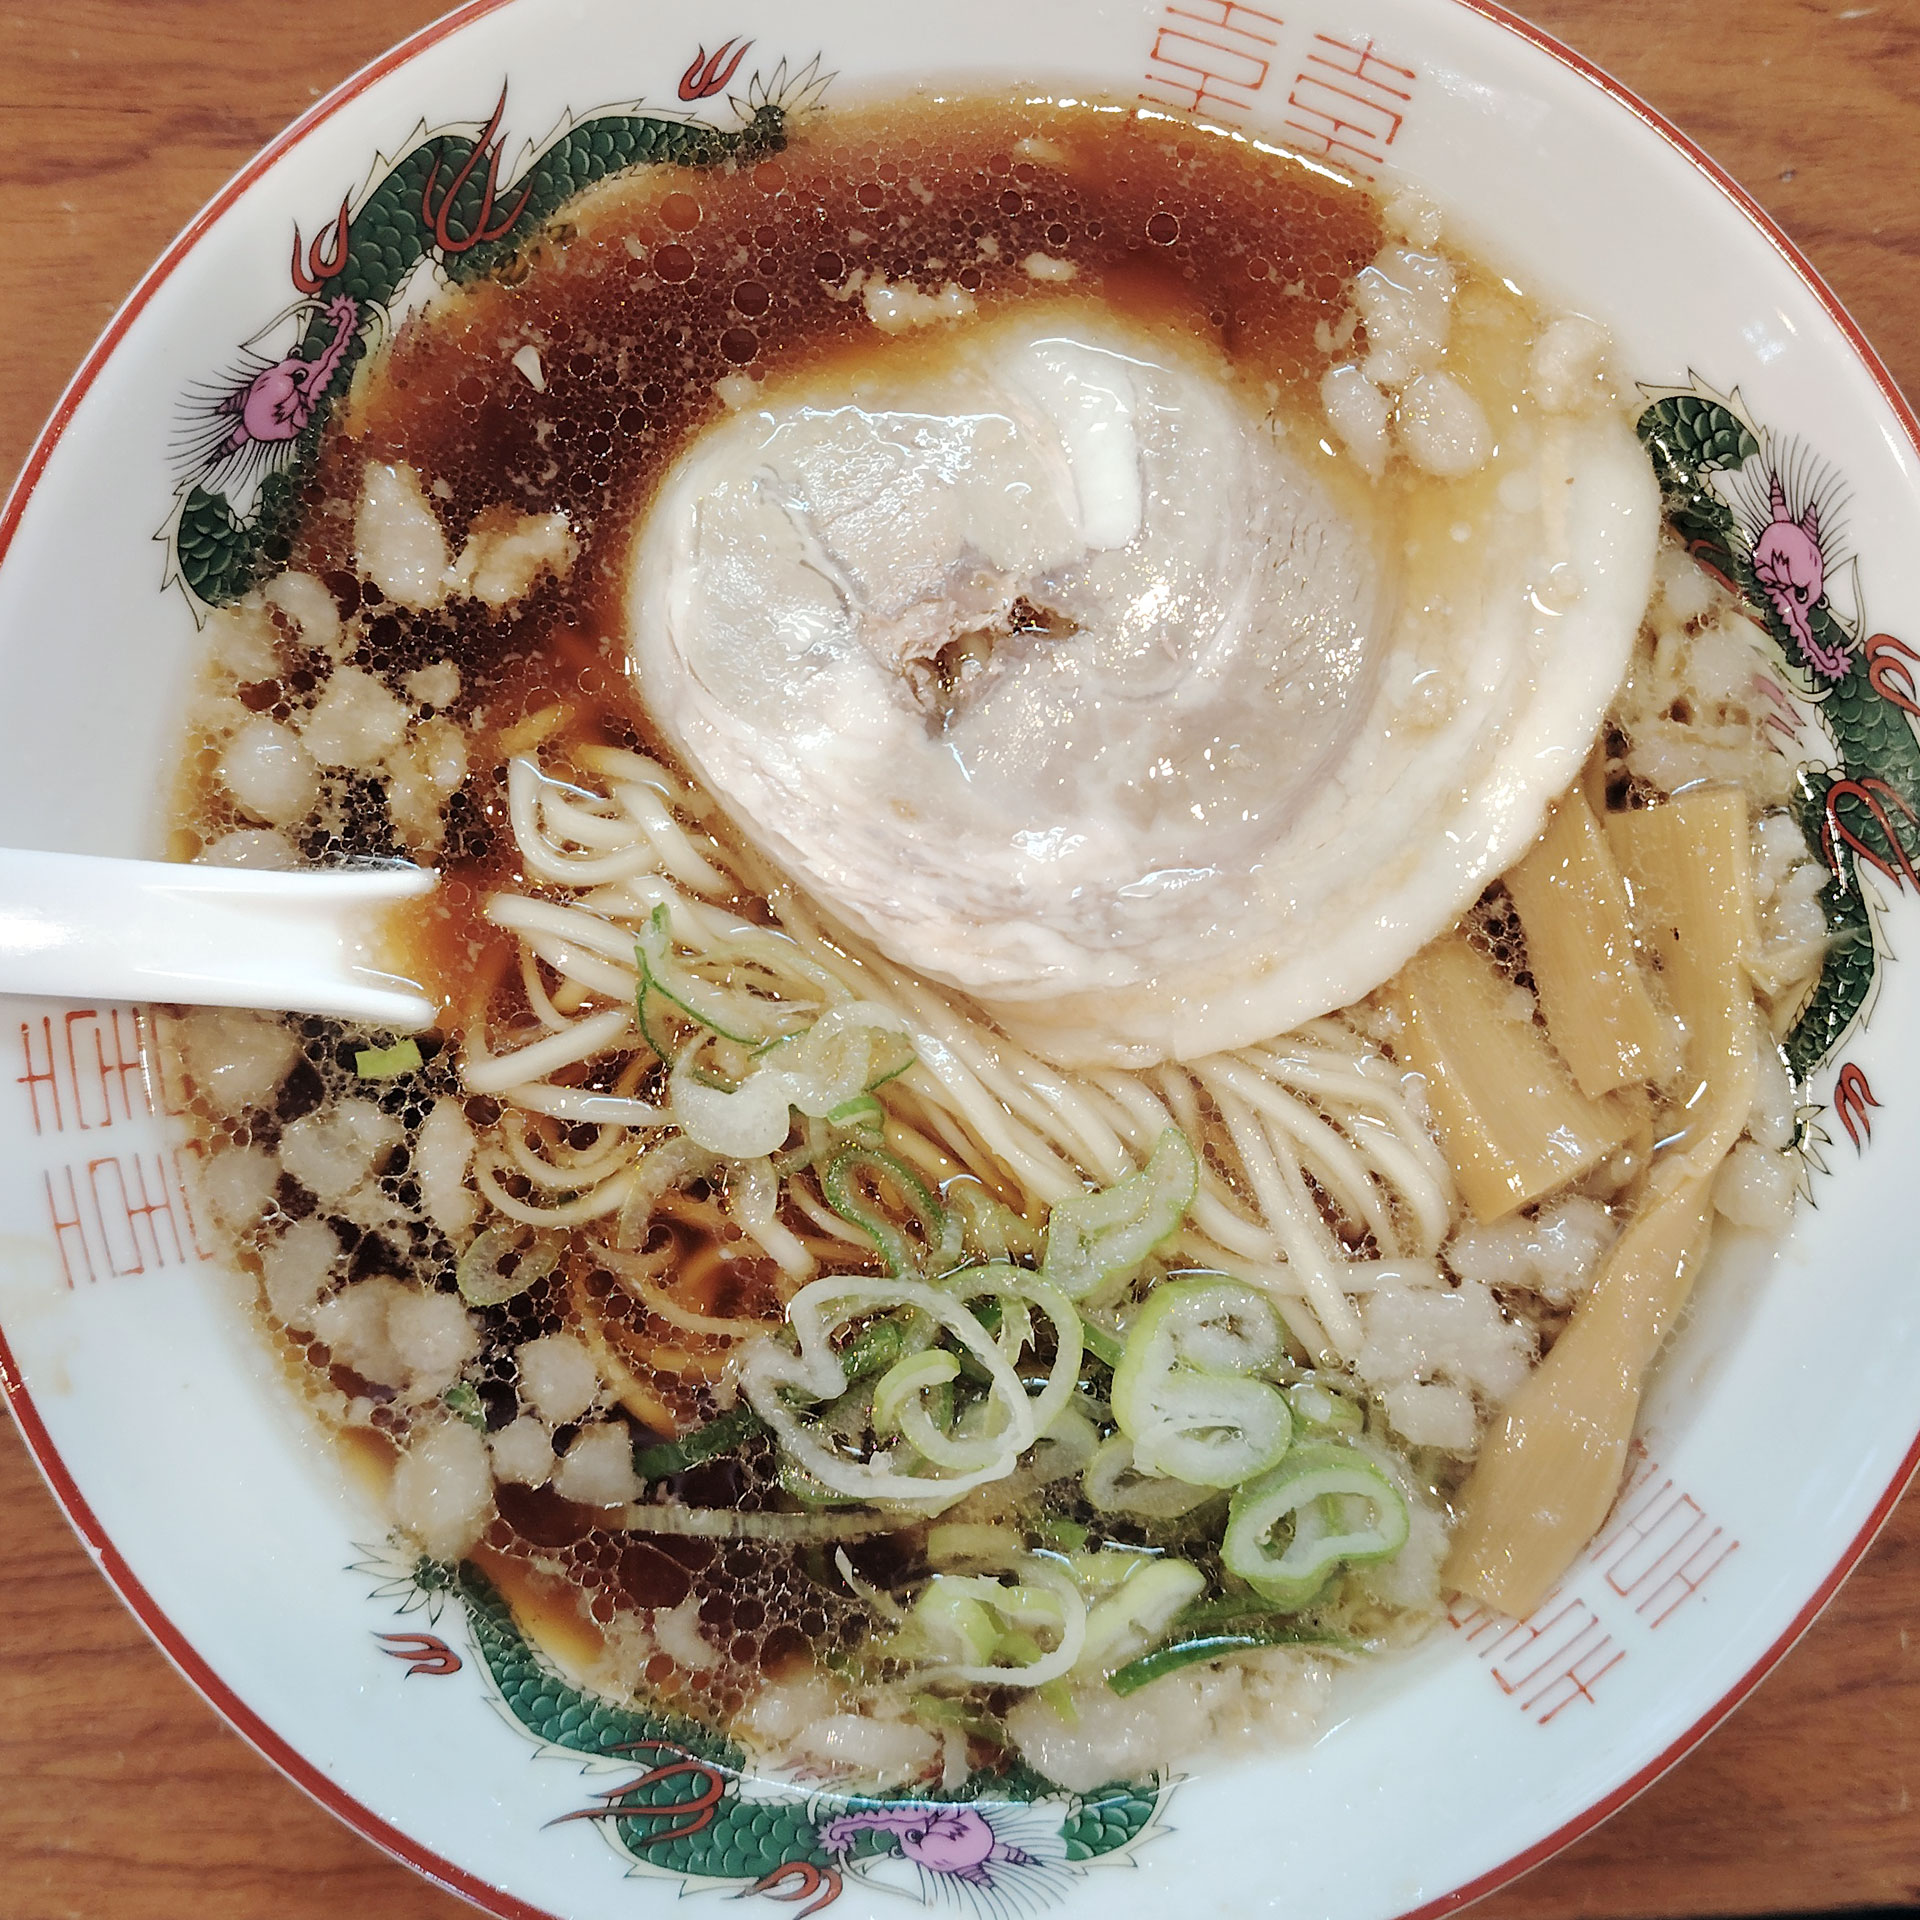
(1859, 813)
(695, 1812)
(442, 202)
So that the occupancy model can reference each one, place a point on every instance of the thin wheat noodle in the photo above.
(910, 1102)
(753, 1200)
(583, 1039)
(606, 1198)
(1354, 1083)
(1183, 1098)
(647, 1290)
(911, 1145)
(1031, 1161)
(583, 1104)
(656, 1354)
(518, 913)
(974, 1102)
(670, 842)
(1429, 1207)
(621, 763)
(535, 990)
(703, 1216)
(629, 1389)
(562, 1175)
(1145, 1114)
(1214, 1210)
(583, 970)
(1286, 1212)
(1281, 1285)
(1248, 1239)
(542, 823)
(838, 1233)
(1318, 1142)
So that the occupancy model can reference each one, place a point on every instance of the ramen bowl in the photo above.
(145, 1393)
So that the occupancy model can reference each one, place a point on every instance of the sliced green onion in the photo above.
(1099, 1570)
(1338, 1509)
(963, 1543)
(939, 1230)
(1062, 1535)
(504, 1261)
(1182, 1392)
(772, 1061)
(1235, 1613)
(1208, 1429)
(812, 1493)
(875, 1348)
(933, 1709)
(776, 1379)
(1063, 1452)
(1112, 1484)
(1098, 1242)
(746, 1121)
(1140, 1613)
(907, 1380)
(717, 1437)
(862, 1114)
(1014, 1288)
(929, 1427)
(387, 1063)
(1044, 1600)
(953, 1616)
(463, 1402)
(1321, 1410)
(732, 1523)
(1101, 1341)
(660, 974)
(718, 1009)
(990, 1227)
(1209, 1322)
(1215, 1646)
(661, 1168)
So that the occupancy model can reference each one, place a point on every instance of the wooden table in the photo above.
(120, 1792)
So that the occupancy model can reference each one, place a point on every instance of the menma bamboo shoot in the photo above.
(1549, 1472)
(1511, 1121)
(1580, 950)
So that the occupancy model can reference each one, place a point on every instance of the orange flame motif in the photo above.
(1783, 719)
(1851, 1098)
(1873, 794)
(320, 267)
(486, 147)
(698, 1810)
(1701, 552)
(704, 76)
(1888, 673)
(808, 1880)
(427, 1652)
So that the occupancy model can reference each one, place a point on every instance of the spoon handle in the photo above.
(84, 928)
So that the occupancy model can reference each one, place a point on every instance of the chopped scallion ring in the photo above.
(1336, 1508)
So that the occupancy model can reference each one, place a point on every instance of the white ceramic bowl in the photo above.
(147, 1401)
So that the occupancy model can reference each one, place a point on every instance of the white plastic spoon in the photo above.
(84, 928)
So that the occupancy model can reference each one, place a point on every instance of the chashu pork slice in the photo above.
(1044, 661)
